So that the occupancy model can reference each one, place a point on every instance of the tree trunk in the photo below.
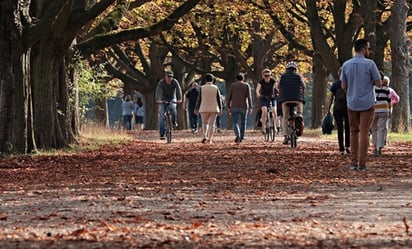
(151, 111)
(14, 82)
(400, 63)
(318, 91)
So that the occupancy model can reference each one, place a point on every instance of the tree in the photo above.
(400, 64)
(34, 106)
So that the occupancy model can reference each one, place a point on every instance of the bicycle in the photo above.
(293, 134)
(168, 120)
(270, 125)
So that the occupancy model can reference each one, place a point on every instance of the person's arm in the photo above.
(178, 91)
(198, 101)
(159, 93)
(219, 100)
(394, 96)
(331, 96)
(258, 90)
(249, 99)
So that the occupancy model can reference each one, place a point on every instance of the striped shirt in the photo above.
(383, 99)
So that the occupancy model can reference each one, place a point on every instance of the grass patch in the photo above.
(92, 137)
(392, 136)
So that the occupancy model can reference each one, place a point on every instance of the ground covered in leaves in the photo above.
(256, 194)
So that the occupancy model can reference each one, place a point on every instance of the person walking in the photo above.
(139, 114)
(291, 91)
(359, 75)
(189, 102)
(127, 112)
(238, 101)
(382, 114)
(340, 114)
(265, 90)
(168, 90)
(208, 104)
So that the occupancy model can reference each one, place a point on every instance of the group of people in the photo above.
(209, 103)
(362, 104)
(130, 109)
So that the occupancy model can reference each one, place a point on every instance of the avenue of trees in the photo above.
(134, 41)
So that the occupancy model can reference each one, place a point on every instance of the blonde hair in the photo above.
(386, 81)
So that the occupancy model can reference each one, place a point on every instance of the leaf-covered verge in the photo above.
(149, 194)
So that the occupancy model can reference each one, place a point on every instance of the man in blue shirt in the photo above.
(359, 75)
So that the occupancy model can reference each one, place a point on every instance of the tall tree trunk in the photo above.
(318, 91)
(151, 111)
(14, 82)
(400, 63)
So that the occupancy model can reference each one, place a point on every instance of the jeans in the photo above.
(379, 129)
(342, 125)
(239, 115)
(360, 123)
(162, 109)
(192, 117)
(128, 121)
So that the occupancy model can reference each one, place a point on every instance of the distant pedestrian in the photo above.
(139, 114)
(359, 75)
(337, 97)
(189, 103)
(208, 104)
(382, 113)
(238, 102)
(127, 112)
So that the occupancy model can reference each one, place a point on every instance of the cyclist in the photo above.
(265, 93)
(168, 90)
(291, 91)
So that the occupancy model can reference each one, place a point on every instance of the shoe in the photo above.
(353, 166)
(286, 140)
(175, 124)
(347, 151)
(237, 140)
(209, 141)
(218, 130)
(375, 152)
(342, 153)
(362, 168)
(162, 138)
(204, 140)
(380, 152)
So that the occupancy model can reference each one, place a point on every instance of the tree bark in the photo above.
(400, 65)
(320, 74)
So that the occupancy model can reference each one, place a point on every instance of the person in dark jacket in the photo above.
(291, 91)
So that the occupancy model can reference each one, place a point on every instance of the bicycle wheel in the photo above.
(293, 140)
(168, 128)
(272, 134)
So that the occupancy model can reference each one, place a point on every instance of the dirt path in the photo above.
(148, 194)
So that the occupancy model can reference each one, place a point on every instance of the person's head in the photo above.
(209, 77)
(240, 77)
(362, 46)
(169, 76)
(386, 81)
(291, 66)
(195, 84)
(139, 101)
(266, 73)
(127, 97)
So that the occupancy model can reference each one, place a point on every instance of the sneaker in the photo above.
(162, 137)
(380, 152)
(375, 152)
(286, 140)
(175, 124)
(237, 140)
(347, 151)
(342, 153)
(204, 140)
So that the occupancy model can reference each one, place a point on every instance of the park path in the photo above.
(149, 194)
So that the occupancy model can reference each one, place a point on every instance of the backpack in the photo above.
(340, 101)
(327, 124)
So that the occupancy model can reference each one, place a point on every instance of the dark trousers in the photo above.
(342, 125)
(192, 118)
